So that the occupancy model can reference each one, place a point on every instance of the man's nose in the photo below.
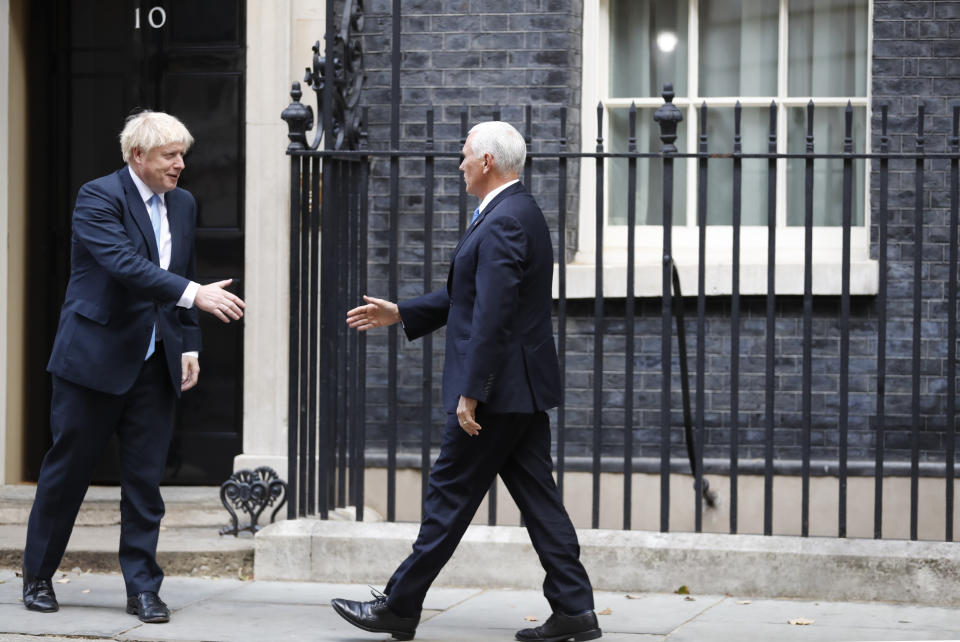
(178, 163)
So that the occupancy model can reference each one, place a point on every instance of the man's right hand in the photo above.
(376, 314)
(213, 298)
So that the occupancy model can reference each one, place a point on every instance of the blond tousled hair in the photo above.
(149, 129)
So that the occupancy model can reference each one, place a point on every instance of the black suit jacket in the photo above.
(497, 309)
(118, 291)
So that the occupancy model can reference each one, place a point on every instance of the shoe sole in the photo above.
(153, 620)
(397, 635)
(583, 636)
(38, 609)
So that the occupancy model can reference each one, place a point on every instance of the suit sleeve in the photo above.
(500, 265)
(98, 227)
(425, 313)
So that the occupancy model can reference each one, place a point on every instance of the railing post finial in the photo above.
(668, 116)
(299, 119)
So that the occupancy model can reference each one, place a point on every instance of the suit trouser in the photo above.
(82, 421)
(517, 447)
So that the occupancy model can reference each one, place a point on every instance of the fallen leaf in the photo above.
(632, 596)
(690, 598)
(63, 580)
(604, 612)
(800, 621)
(85, 591)
(531, 618)
(744, 602)
(683, 590)
(3, 581)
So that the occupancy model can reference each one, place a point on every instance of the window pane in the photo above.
(828, 48)
(828, 132)
(738, 48)
(649, 172)
(754, 131)
(648, 47)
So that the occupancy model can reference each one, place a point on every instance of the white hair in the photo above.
(503, 142)
(149, 129)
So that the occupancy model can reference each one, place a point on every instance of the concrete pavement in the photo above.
(236, 611)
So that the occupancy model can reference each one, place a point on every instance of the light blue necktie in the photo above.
(154, 209)
(476, 214)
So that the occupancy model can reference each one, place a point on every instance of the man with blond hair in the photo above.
(127, 344)
(500, 376)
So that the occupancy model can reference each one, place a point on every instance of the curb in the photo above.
(635, 561)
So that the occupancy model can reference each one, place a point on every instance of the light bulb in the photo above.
(667, 41)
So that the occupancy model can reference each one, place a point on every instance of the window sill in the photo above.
(864, 278)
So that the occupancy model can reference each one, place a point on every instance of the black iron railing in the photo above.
(331, 374)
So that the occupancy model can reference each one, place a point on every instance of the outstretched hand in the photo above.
(213, 298)
(376, 314)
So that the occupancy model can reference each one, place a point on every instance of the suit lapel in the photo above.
(138, 210)
(516, 188)
(513, 189)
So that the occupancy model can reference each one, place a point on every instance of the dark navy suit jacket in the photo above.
(497, 307)
(118, 291)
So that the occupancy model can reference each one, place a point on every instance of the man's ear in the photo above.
(487, 162)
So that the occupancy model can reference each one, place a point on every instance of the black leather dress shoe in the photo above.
(376, 616)
(38, 594)
(560, 627)
(148, 607)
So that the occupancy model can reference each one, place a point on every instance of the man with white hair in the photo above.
(500, 376)
(126, 346)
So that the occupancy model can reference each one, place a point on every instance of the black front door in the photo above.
(111, 58)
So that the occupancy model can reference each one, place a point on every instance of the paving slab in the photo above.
(69, 620)
(654, 613)
(107, 590)
(216, 621)
(739, 619)
(17, 637)
(438, 599)
(230, 610)
(508, 610)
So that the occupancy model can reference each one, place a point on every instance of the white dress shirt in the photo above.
(165, 244)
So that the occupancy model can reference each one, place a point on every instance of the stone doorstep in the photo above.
(190, 543)
(181, 551)
(632, 561)
(186, 506)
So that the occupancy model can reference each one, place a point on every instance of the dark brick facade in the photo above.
(487, 53)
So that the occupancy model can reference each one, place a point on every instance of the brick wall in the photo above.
(477, 56)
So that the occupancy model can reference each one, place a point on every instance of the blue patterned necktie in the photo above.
(476, 214)
(154, 209)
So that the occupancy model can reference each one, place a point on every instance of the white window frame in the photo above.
(827, 241)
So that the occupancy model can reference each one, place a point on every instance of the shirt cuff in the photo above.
(189, 294)
(192, 353)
